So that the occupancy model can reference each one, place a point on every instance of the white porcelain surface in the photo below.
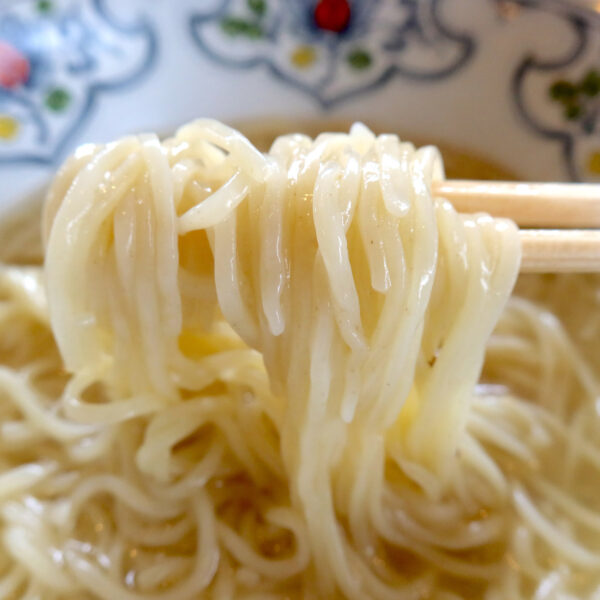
(476, 73)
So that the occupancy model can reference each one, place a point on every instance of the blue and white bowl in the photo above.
(513, 81)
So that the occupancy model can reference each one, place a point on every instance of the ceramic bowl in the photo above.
(514, 81)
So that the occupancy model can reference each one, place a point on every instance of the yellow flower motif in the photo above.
(593, 163)
(303, 56)
(9, 127)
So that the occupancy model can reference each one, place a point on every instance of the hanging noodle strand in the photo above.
(290, 375)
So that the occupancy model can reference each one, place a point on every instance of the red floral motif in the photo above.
(332, 15)
(14, 66)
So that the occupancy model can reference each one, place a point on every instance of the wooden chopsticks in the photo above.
(560, 250)
(566, 218)
(527, 204)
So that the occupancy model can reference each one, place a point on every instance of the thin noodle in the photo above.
(289, 375)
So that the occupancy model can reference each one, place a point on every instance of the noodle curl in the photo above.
(288, 375)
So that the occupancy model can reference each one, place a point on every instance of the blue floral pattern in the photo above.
(559, 97)
(323, 55)
(60, 58)
(70, 53)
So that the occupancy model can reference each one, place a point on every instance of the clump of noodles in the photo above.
(270, 385)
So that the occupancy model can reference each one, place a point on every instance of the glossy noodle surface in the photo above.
(289, 375)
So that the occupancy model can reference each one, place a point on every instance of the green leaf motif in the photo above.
(44, 6)
(563, 90)
(235, 26)
(576, 97)
(359, 59)
(590, 85)
(258, 7)
(572, 112)
(57, 99)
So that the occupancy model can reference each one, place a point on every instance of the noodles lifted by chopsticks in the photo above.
(272, 390)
